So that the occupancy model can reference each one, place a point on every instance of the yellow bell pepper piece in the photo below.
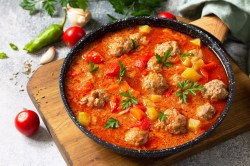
(191, 74)
(193, 124)
(152, 113)
(144, 29)
(196, 41)
(83, 118)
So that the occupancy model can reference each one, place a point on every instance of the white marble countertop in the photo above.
(18, 27)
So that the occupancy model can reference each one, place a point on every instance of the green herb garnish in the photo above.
(186, 87)
(13, 46)
(186, 55)
(135, 7)
(93, 67)
(162, 116)
(50, 5)
(3, 55)
(112, 123)
(131, 100)
(122, 72)
(166, 56)
(134, 45)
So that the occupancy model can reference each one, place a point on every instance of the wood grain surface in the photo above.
(78, 149)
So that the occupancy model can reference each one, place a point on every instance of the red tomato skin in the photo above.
(72, 35)
(27, 122)
(112, 70)
(141, 61)
(166, 15)
(94, 56)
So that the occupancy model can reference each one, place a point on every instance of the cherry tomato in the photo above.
(27, 122)
(72, 35)
(166, 15)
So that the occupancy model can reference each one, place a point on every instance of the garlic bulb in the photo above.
(48, 56)
(77, 16)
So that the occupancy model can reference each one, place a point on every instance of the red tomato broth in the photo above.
(158, 138)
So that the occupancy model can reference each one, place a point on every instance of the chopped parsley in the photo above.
(112, 123)
(131, 100)
(3, 55)
(162, 116)
(13, 46)
(186, 55)
(122, 72)
(134, 45)
(93, 67)
(187, 87)
(164, 61)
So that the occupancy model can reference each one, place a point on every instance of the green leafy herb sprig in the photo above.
(131, 100)
(112, 123)
(162, 116)
(50, 5)
(135, 7)
(93, 67)
(164, 61)
(122, 72)
(187, 87)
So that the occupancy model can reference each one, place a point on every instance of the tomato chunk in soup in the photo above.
(146, 88)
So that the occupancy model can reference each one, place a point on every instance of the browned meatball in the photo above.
(136, 136)
(138, 38)
(155, 83)
(97, 98)
(120, 46)
(176, 123)
(215, 90)
(205, 111)
(153, 65)
(172, 45)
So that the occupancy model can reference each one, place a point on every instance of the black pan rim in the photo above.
(191, 30)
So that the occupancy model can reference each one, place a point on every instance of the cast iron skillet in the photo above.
(188, 29)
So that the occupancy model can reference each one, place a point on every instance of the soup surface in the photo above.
(146, 88)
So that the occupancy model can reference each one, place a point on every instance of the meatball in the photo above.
(136, 136)
(97, 98)
(172, 45)
(176, 123)
(205, 111)
(139, 39)
(153, 65)
(215, 90)
(120, 46)
(155, 83)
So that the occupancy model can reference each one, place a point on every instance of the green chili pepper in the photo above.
(49, 36)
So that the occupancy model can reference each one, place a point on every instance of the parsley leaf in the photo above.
(164, 61)
(134, 45)
(29, 5)
(49, 6)
(13, 46)
(131, 100)
(186, 55)
(112, 123)
(122, 72)
(118, 5)
(3, 55)
(93, 67)
(162, 116)
(187, 87)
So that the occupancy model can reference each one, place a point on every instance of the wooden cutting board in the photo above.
(78, 149)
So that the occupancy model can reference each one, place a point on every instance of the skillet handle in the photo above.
(212, 24)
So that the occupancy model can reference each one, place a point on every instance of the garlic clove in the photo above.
(48, 56)
(77, 16)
